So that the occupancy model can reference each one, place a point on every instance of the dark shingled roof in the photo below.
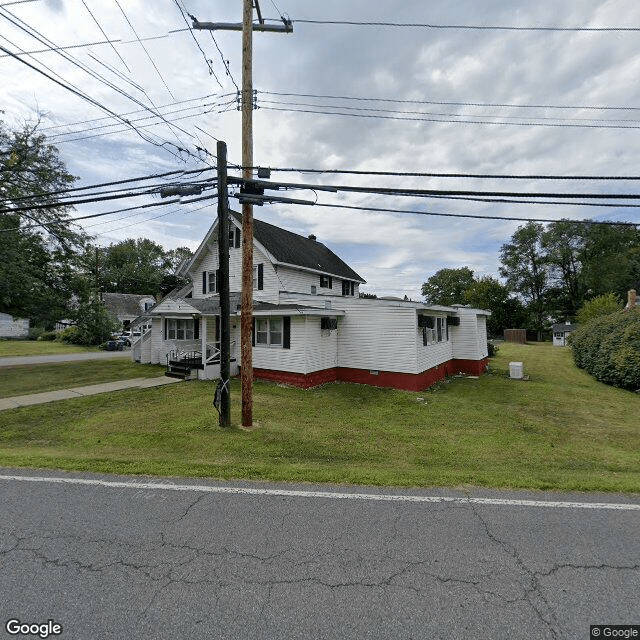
(123, 305)
(291, 248)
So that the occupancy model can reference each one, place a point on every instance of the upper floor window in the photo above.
(326, 282)
(234, 237)
(258, 277)
(211, 281)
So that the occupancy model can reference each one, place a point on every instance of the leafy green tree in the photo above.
(600, 306)
(135, 266)
(507, 312)
(523, 266)
(448, 286)
(37, 245)
(93, 325)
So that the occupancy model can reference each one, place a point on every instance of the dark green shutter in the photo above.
(237, 238)
(164, 321)
(204, 282)
(253, 333)
(196, 328)
(217, 280)
(260, 277)
(286, 332)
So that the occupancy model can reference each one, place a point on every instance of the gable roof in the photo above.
(122, 305)
(289, 248)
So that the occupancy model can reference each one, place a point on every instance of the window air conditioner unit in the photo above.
(329, 323)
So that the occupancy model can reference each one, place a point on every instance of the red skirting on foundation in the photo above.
(405, 381)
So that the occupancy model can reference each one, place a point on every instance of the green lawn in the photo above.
(35, 378)
(558, 430)
(35, 348)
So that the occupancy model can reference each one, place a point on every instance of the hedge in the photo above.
(608, 348)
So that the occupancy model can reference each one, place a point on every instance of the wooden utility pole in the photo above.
(223, 287)
(246, 316)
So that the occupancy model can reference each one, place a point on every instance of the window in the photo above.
(258, 277)
(326, 282)
(180, 329)
(234, 237)
(211, 281)
(434, 329)
(272, 332)
(348, 288)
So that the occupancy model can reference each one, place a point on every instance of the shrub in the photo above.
(492, 349)
(71, 335)
(48, 336)
(35, 332)
(601, 306)
(608, 348)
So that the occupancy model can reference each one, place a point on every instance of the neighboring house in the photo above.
(11, 327)
(561, 332)
(127, 307)
(310, 325)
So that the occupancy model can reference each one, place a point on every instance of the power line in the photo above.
(430, 113)
(450, 103)
(414, 174)
(465, 27)
(144, 49)
(106, 36)
(466, 215)
(448, 121)
(63, 48)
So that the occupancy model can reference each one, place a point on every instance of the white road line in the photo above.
(331, 495)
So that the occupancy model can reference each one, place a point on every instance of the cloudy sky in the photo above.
(425, 99)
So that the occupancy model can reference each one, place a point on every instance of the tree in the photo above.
(447, 286)
(507, 312)
(37, 240)
(563, 243)
(523, 266)
(600, 306)
(135, 266)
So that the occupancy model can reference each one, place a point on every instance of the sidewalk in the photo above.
(79, 392)
(12, 361)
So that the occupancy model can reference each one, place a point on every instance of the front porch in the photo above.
(189, 364)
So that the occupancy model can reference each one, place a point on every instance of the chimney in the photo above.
(312, 237)
(631, 299)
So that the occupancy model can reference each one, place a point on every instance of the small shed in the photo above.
(561, 332)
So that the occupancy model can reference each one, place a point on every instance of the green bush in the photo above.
(35, 332)
(601, 306)
(608, 348)
(48, 336)
(71, 335)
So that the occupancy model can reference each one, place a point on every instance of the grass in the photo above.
(559, 430)
(26, 379)
(12, 348)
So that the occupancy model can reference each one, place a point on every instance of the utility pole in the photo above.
(223, 287)
(246, 316)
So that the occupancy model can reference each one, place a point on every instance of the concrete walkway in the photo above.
(12, 361)
(79, 392)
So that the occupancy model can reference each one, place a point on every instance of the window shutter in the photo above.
(217, 280)
(330, 282)
(164, 321)
(286, 332)
(204, 282)
(217, 329)
(260, 277)
(237, 243)
(196, 328)
(253, 333)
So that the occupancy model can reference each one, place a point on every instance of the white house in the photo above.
(310, 325)
(11, 327)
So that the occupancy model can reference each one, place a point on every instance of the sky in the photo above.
(436, 95)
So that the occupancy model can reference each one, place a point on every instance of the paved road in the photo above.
(114, 557)
(11, 361)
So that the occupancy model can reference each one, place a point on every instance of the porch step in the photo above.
(178, 371)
